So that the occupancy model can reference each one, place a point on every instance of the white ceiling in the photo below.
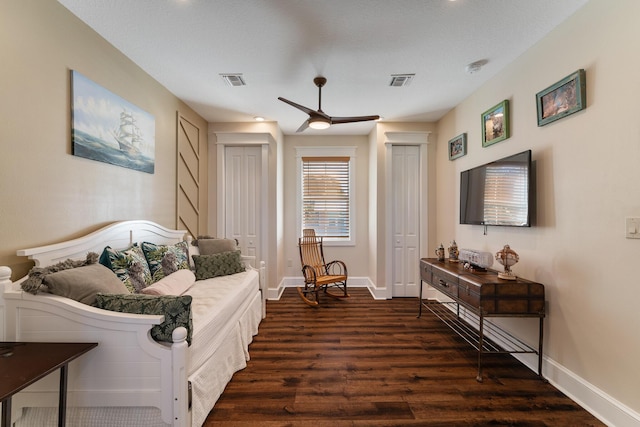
(279, 46)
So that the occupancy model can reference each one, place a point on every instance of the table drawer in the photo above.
(425, 272)
(469, 294)
(445, 283)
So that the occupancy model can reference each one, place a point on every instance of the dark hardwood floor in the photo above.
(362, 362)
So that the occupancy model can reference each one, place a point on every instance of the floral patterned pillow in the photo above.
(176, 311)
(129, 265)
(222, 264)
(165, 259)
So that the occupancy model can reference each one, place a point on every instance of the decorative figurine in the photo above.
(440, 253)
(453, 252)
(507, 257)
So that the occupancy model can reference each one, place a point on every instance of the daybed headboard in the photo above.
(118, 235)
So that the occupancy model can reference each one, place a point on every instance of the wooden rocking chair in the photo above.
(319, 275)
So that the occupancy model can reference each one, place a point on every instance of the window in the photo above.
(326, 193)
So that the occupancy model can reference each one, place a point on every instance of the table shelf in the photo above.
(475, 296)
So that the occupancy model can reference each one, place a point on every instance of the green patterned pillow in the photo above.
(178, 257)
(176, 311)
(129, 265)
(222, 264)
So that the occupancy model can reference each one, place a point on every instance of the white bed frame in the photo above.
(128, 368)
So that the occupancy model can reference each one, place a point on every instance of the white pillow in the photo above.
(174, 284)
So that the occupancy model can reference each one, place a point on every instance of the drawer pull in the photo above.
(443, 283)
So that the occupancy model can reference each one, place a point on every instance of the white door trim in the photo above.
(405, 138)
(224, 139)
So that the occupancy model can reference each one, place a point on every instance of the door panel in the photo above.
(406, 220)
(242, 193)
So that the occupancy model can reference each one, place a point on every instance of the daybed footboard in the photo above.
(128, 368)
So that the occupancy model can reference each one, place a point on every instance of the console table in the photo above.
(23, 363)
(477, 295)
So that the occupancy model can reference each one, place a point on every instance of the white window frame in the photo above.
(329, 151)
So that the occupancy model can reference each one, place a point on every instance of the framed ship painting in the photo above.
(108, 128)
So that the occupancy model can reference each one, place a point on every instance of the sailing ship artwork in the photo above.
(109, 129)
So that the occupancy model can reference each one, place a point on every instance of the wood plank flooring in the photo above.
(362, 362)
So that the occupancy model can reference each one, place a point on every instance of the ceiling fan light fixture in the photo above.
(319, 123)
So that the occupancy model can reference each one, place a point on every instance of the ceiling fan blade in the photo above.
(298, 106)
(303, 126)
(338, 120)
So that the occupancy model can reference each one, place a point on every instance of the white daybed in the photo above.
(130, 379)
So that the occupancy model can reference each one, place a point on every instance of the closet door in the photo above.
(405, 220)
(243, 172)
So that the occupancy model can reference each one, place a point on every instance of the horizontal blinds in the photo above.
(325, 196)
(505, 195)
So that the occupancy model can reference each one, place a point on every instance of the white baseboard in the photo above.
(354, 282)
(601, 405)
(604, 407)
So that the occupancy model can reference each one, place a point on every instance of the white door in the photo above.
(242, 198)
(405, 199)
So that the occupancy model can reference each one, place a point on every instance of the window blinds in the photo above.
(325, 196)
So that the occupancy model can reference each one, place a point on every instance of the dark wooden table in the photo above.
(23, 363)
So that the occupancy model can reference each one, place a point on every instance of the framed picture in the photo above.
(562, 98)
(495, 124)
(109, 129)
(458, 146)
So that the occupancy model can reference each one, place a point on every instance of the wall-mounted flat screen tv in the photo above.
(498, 193)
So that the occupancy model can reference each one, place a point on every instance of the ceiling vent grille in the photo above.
(233, 79)
(399, 80)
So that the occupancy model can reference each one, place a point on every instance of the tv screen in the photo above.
(498, 193)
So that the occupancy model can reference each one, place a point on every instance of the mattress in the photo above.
(217, 306)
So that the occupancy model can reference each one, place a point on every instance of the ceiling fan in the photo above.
(318, 119)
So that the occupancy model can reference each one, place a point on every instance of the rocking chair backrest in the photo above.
(311, 252)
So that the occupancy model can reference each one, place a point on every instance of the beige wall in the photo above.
(47, 194)
(588, 181)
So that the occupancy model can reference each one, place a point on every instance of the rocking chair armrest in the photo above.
(340, 265)
(309, 273)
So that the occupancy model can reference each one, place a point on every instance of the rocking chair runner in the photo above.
(319, 275)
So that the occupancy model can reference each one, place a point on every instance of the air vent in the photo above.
(399, 80)
(233, 79)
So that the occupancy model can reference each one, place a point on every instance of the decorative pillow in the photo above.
(33, 283)
(176, 311)
(129, 265)
(156, 253)
(173, 284)
(83, 283)
(222, 264)
(216, 246)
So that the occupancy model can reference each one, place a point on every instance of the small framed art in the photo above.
(458, 146)
(563, 98)
(495, 124)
